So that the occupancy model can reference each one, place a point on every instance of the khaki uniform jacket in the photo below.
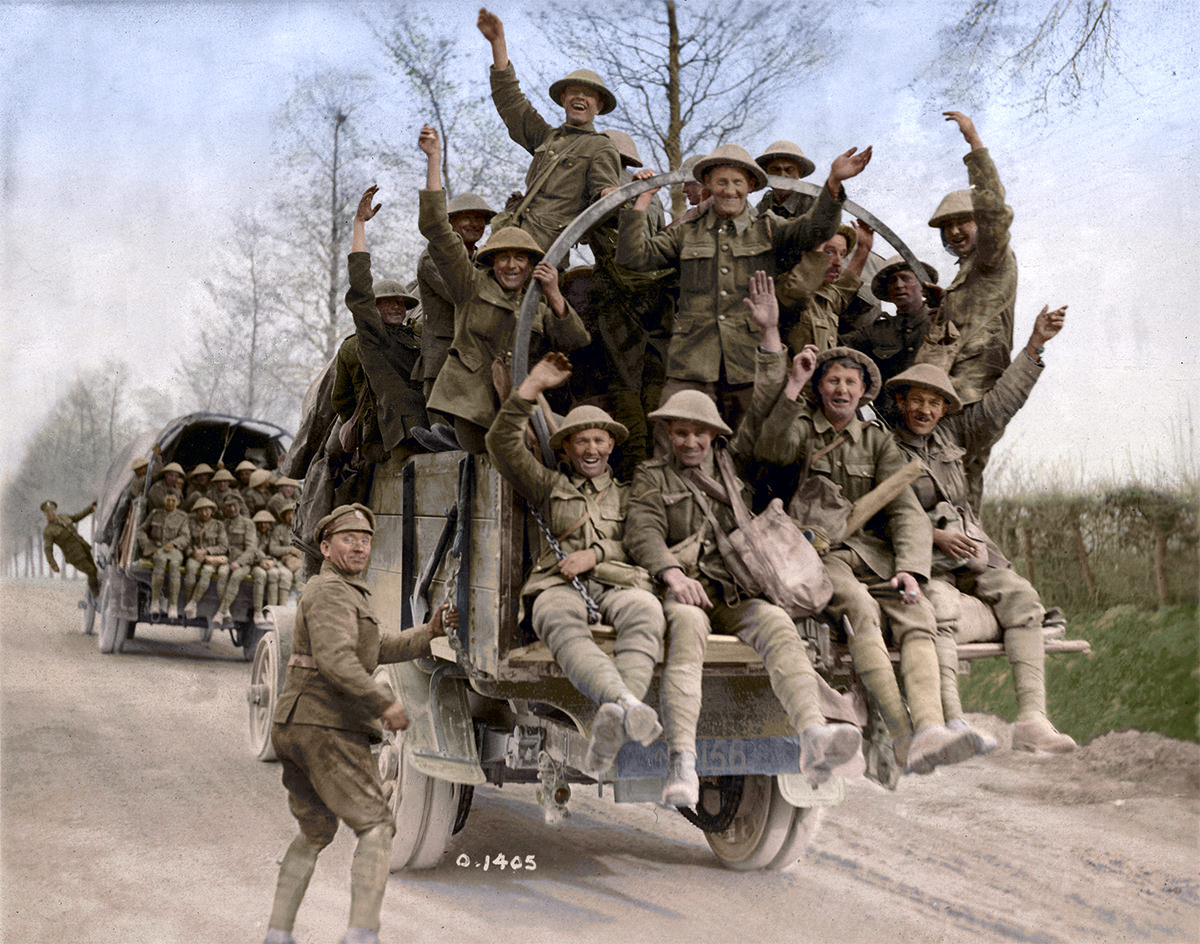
(714, 337)
(242, 535)
(256, 500)
(438, 311)
(158, 490)
(576, 181)
(796, 204)
(955, 438)
(208, 537)
(137, 488)
(162, 527)
(815, 317)
(563, 498)
(388, 354)
(61, 531)
(980, 300)
(220, 497)
(279, 541)
(486, 320)
(336, 626)
(891, 341)
(664, 514)
(276, 502)
(900, 537)
(195, 493)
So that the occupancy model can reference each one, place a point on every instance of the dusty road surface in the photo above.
(132, 811)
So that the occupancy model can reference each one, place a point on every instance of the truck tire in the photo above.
(767, 832)
(424, 809)
(114, 630)
(266, 679)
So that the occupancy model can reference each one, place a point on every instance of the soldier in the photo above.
(198, 483)
(632, 316)
(699, 197)
(376, 365)
(488, 300)
(286, 491)
(164, 538)
(326, 718)
(713, 339)
(60, 530)
(813, 309)
(666, 516)
(242, 540)
(785, 159)
(272, 581)
(256, 493)
(208, 554)
(171, 481)
(137, 487)
(878, 570)
(971, 338)
(584, 509)
(282, 548)
(223, 487)
(469, 215)
(572, 164)
(892, 341)
(938, 431)
(243, 471)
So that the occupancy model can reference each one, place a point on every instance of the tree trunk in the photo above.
(1160, 567)
(675, 125)
(1081, 552)
(1027, 551)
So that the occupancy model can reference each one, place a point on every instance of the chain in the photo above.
(593, 608)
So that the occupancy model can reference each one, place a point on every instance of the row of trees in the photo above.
(688, 77)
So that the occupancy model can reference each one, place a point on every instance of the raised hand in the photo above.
(551, 371)
(490, 25)
(365, 210)
(966, 126)
(763, 305)
(429, 142)
(847, 165)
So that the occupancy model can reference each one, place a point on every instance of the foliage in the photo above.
(1144, 673)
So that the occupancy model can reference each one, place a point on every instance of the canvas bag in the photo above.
(818, 504)
(768, 555)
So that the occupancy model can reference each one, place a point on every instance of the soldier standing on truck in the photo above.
(60, 530)
(972, 335)
(328, 714)
(937, 430)
(573, 164)
(584, 510)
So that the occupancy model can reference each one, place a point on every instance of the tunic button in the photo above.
(720, 317)
(724, 293)
(725, 247)
(724, 270)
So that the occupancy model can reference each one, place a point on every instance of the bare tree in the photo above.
(1052, 55)
(692, 77)
(476, 153)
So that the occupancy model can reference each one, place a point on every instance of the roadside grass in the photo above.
(1144, 673)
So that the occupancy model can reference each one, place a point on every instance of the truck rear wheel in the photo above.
(766, 832)
(424, 808)
(266, 679)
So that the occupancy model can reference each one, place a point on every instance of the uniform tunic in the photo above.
(438, 311)
(209, 537)
(891, 341)
(714, 336)
(159, 489)
(486, 321)
(815, 317)
(327, 716)
(577, 180)
(980, 300)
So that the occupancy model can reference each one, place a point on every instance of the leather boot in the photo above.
(608, 734)
(983, 743)
(936, 746)
(683, 785)
(368, 881)
(1040, 736)
(826, 749)
(641, 721)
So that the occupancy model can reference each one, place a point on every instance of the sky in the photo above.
(131, 133)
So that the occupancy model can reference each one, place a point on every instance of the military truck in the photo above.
(124, 575)
(492, 707)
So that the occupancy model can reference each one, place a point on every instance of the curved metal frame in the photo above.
(604, 207)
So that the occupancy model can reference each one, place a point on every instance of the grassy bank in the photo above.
(1144, 673)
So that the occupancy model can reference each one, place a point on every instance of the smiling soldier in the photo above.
(573, 163)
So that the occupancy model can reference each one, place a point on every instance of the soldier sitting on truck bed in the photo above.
(583, 508)
(938, 431)
(208, 553)
(199, 481)
(164, 538)
(222, 487)
(878, 568)
(256, 491)
(272, 580)
(489, 299)
(171, 481)
(243, 555)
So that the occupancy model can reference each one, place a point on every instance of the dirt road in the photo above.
(132, 811)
